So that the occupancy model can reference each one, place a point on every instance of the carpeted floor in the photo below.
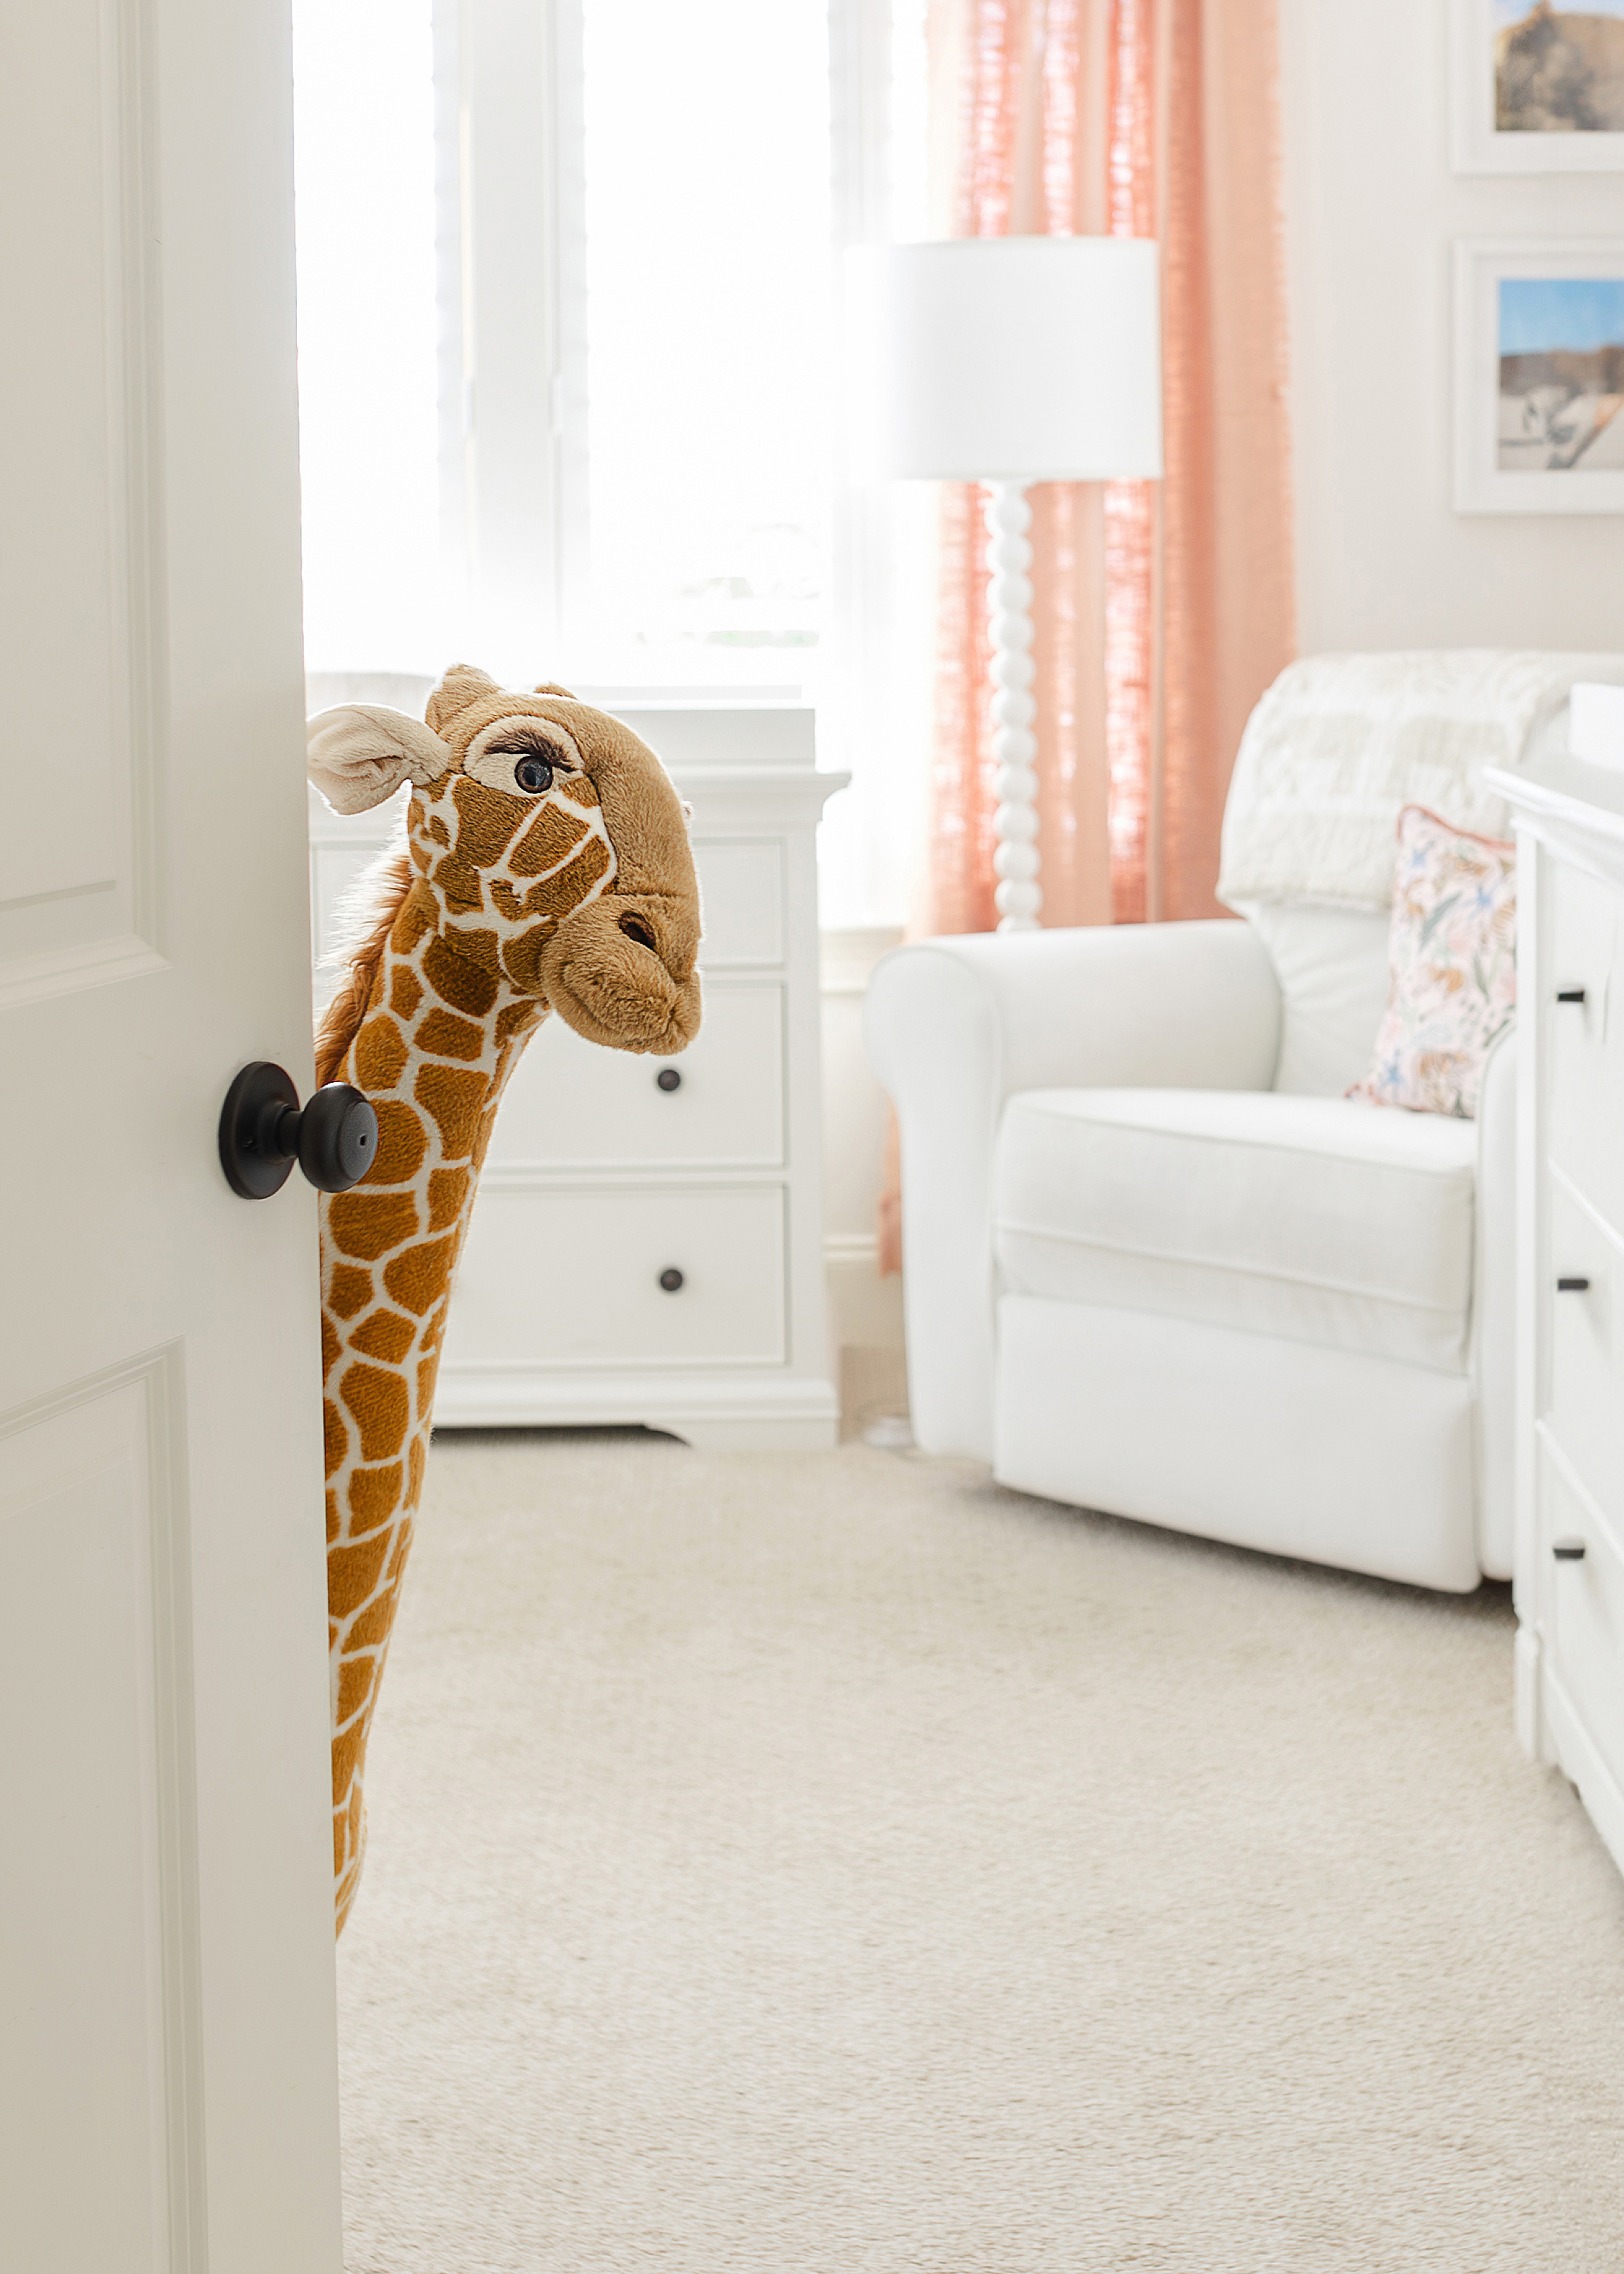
(820, 1864)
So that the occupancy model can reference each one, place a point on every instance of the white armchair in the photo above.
(1154, 1261)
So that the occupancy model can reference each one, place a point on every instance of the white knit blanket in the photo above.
(1340, 742)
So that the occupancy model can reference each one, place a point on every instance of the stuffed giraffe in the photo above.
(546, 866)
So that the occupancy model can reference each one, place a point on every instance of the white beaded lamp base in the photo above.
(1015, 746)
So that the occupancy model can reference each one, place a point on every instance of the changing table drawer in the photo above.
(1585, 1040)
(1586, 1616)
(1585, 1406)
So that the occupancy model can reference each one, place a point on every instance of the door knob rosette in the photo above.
(263, 1133)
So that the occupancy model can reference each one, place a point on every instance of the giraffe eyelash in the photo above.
(493, 755)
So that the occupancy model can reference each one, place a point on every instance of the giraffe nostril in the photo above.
(635, 928)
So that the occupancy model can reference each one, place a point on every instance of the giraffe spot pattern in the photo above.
(550, 837)
(485, 827)
(379, 1053)
(417, 917)
(454, 1098)
(442, 993)
(475, 944)
(354, 1571)
(448, 1190)
(558, 894)
(443, 1034)
(515, 1019)
(370, 1627)
(378, 1402)
(351, 1291)
(374, 1495)
(457, 881)
(369, 1225)
(457, 981)
(400, 1144)
(405, 991)
(417, 1277)
(385, 1335)
(354, 1685)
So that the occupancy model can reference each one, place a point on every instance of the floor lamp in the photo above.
(1007, 360)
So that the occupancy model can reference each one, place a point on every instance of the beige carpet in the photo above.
(811, 1865)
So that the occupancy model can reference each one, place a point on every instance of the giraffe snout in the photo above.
(622, 973)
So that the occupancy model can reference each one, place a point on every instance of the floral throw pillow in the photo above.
(1452, 959)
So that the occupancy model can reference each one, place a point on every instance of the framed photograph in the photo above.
(1537, 88)
(1539, 376)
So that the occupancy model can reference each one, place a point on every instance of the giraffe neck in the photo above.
(433, 1050)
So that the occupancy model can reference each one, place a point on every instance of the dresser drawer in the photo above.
(1585, 1616)
(571, 1278)
(1585, 1041)
(741, 898)
(1586, 1345)
(572, 1104)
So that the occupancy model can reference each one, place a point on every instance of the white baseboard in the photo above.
(865, 1311)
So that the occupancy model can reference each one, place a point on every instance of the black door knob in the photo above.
(671, 1280)
(668, 1079)
(1571, 1287)
(1570, 994)
(263, 1133)
(1567, 1551)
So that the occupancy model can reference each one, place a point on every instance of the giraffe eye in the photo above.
(533, 774)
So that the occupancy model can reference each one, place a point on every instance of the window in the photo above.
(368, 410)
(708, 338)
(569, 332)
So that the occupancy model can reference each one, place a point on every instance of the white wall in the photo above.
(865, 1310)
(1372, 208)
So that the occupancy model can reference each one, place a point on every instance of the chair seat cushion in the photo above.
(1330, 1221)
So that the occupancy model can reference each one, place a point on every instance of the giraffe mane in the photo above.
(368, 920)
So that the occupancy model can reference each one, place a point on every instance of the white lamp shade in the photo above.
(1005, 359)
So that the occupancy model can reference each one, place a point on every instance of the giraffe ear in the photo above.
(361, 753)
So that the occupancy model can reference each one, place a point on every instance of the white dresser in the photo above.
(647, 1245)
(1570, 1301)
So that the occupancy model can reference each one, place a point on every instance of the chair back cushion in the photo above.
(1340, 742)
(1332, 966)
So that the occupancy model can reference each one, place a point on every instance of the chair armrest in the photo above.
(1494, 1295)
(953, 1027)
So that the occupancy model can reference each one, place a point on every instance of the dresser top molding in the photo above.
(1575, 807)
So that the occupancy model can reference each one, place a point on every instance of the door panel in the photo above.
(167, 2012)
(96, 1795)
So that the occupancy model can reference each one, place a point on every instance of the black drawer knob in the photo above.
(263, 1133)
(1570, 994)
(1567, 1551)
(1571, 1287)
(668, 1079)
(671, 1280)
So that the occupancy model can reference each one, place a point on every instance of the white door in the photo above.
(168, 2095)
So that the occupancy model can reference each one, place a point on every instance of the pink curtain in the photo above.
(1162, 609)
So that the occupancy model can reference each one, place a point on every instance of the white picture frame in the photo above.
(1559, 418)
(1478, 145)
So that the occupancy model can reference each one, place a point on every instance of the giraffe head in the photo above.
(550, 841)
